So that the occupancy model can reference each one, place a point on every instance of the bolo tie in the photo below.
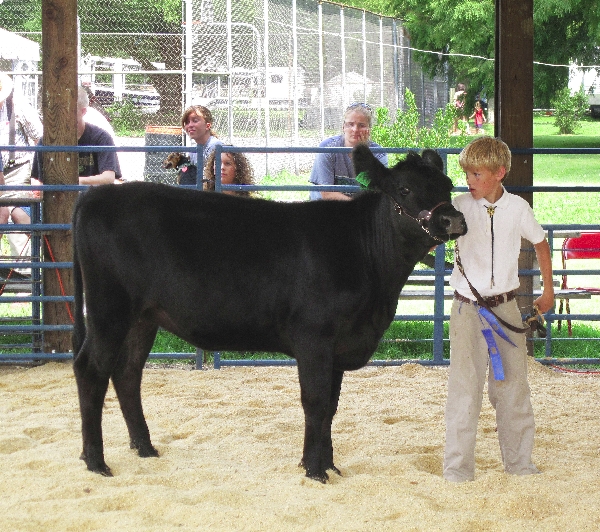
(490, 210)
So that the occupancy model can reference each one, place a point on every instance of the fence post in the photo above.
(59, 105)
(438, 305)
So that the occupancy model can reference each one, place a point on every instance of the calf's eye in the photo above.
(404, 191)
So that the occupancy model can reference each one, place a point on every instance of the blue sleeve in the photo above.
(107, 160)
(212, 143)
(323, 171)
(383, 157)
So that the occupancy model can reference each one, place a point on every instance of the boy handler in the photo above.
(486, 258)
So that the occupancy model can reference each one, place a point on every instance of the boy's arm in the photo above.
(544, 257)
(105, 178)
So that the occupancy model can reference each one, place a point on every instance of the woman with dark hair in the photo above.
(235, 170)
(197, 121)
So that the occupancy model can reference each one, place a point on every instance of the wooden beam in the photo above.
(59, 108)
(514, 81)
(514, 105)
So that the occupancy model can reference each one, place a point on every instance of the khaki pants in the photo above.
(469, 360)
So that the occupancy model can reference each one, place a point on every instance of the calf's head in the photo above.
(418, 187)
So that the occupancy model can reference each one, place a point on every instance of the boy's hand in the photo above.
(535, 320)
(545, 302)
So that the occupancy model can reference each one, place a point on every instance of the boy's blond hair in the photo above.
(486, 152)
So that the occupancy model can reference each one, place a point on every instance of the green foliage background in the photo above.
(564, 31)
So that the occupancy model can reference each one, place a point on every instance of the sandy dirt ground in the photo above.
(230, 442)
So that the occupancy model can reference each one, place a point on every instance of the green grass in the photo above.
(566, 170)
(545, 134)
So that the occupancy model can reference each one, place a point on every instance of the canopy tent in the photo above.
(15, 47)
(20, 58)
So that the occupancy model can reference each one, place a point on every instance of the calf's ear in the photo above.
(433, 158)
(366, 163)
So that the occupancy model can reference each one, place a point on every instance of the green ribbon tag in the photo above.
(363, 180)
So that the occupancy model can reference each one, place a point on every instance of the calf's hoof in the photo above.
(335, 470)
(97, 466)
(144, 449)
(147, 452)
(320, 476)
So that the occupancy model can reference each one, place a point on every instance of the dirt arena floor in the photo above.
(230, 442)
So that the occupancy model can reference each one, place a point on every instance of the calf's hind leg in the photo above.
(127, 380)
(92, 384)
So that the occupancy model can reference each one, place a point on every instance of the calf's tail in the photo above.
(79, 325)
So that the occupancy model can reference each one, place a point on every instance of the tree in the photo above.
(569, 110)
(564, 31)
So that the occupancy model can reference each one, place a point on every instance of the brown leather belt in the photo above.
(492, 301)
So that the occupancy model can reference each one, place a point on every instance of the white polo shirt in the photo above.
(513, 220)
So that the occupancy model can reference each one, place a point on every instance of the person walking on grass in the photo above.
(479, 117)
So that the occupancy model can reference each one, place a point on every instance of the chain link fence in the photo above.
(272, 73)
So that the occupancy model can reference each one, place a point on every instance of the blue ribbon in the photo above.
(495, 324)
(491, 342)
(494, 354)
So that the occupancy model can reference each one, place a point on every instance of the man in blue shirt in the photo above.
(337, 168)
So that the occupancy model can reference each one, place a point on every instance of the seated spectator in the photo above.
(337, 168)
(95, 117)
(20, 125)
(196, 121)
(95, 168)
(235, 170)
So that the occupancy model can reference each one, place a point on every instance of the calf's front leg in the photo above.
(327, 443)
(315, 390)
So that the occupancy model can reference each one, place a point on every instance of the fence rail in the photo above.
(439, 273)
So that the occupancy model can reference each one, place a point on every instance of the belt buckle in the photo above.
(494, 301)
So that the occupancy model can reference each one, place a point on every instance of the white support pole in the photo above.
(267, 84)
(321, 72)
(229, 71)
(381, 93)
(364, 50)
(188, 54)
(295, 82)
(118, 80)
(343, 49)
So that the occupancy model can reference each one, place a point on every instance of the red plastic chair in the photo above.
(586, 246)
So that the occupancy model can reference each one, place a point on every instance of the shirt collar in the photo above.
(501, 203)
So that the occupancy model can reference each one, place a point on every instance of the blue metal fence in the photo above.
(37, 228)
